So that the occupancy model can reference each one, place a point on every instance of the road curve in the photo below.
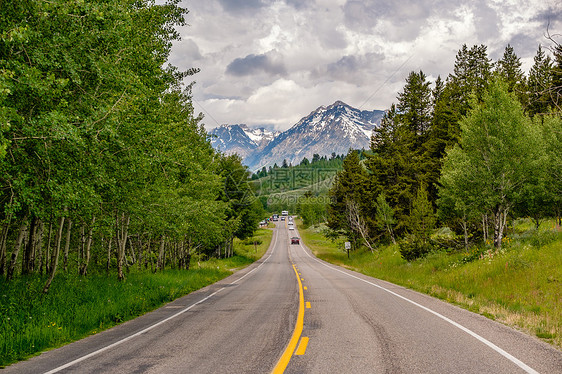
(351, 323)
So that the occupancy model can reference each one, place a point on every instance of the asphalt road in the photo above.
(338, 321)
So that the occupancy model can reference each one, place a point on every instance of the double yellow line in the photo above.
(286, 357)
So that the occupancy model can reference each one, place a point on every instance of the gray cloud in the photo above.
(253, 64)
(523, 45)
(399, 20)
(359, 16)
(550, 15)
(272, 61)
(300, 4)
(243, 5)
(349, 65)
(352, 69)
(487, 21)
(185, 54)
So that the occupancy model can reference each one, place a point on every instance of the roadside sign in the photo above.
(347, 246)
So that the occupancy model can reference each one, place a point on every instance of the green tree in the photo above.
(415, 104)
(421, 222)
(539, 83)
(400, 160)
(385, 216)
(555, 90)
(350, 184)
(509, 68)
(496, 153)
(552, 168)
(471, 74)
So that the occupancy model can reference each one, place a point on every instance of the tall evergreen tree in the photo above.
(539, 83)
(509, 68)
(471, 73)
(350, 186)
(556, 85)
(415, 104)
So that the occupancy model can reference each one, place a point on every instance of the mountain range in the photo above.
(328, 129)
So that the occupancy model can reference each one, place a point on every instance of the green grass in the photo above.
(520, 286)
(253, 248)
(76, 307)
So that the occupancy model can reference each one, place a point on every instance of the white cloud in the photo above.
(273, 61)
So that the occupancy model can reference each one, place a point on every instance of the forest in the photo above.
(466, 154)
(103, 162)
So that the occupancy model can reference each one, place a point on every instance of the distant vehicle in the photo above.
(285, 213)
(282, 218)
(262, 223)
(295, 240)
(275, 217)
(291, 227)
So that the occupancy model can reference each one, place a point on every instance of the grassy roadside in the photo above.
(521, 286)
(80, 306)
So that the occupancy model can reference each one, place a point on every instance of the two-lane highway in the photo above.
(358, 324)
(294, 313)
(238, 325)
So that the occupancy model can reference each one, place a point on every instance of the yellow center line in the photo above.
(286, 357)
(302, 346)
(305, 288)
(308, 305)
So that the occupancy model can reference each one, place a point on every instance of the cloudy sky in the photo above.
(271, 62)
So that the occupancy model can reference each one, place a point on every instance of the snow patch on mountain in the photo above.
(328, 129)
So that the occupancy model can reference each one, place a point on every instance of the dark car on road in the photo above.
(295, 240)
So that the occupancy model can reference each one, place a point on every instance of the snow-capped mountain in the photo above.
(240, 139)
(335, 128)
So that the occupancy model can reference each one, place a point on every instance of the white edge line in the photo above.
(80, 359)
(513, 359)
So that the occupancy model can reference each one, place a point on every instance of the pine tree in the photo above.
(415, 104)
(556, 86)
(471, 74)
(421, 223)
(539, 83)
(392, 166)
(509, 68)
(350, 187)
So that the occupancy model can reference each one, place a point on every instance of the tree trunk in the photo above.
(160, 265)
(15, 253)
(464, 224)
(139, 256)
(122, 225)
(28, 260)
(391, 232)
(39, 245)
(67, 245)
(37, 254)
(148, 253)
(132, 251)
(55, 256)
(48, 249)
(109, 242)
(3, 243)
(357, 223)
(86, 254)
(485, 227)
(500, 218)
(81, 246)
